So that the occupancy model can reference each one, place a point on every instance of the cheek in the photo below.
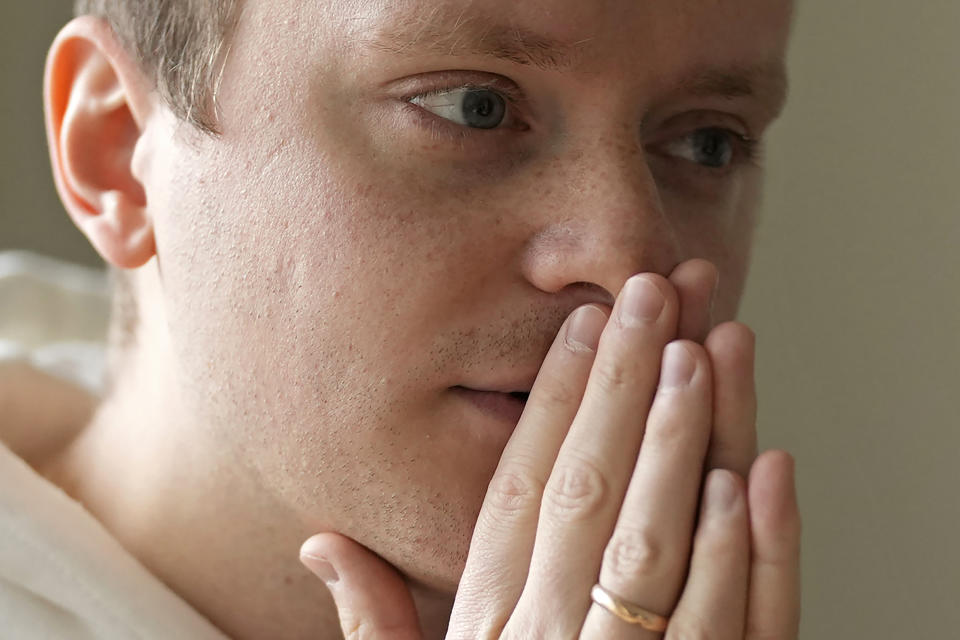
(287, 275)
(303, 300)
(720, 228)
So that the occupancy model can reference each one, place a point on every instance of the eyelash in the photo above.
(752, 151)
(746, 150)
(511, 95)
(438, 126)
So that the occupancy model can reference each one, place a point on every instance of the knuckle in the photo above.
(575, 490)
(513, 491)
(478, 613)
(723, 545)
(611, 376)
(557, 393)
(670, 433)
(635, 553)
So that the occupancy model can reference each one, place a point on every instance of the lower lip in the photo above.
(501, 406)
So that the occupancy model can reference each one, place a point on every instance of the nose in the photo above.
(602, 223)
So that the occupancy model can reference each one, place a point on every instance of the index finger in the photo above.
(499, 557)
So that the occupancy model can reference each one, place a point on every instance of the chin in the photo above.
(437, 563)
(428, 543)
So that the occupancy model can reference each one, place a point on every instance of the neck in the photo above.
(199, 522)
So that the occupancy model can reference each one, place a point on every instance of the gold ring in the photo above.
(626, 611)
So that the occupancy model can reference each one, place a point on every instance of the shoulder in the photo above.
(40, 413)
(52, 352)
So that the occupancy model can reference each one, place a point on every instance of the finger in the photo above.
(733, 444)
(371, 597)
(773, 609)
(647, 557)
(499, 557)
(696, 284)
(714, 600)
(585, 489)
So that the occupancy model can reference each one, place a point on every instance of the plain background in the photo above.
(854, 294)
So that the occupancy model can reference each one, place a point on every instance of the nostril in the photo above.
(520, 395)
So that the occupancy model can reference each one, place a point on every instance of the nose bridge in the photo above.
(604, 221)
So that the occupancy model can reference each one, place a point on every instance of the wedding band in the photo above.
(626, 611)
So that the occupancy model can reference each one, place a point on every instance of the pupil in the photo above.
(713, 148)
(483, 109)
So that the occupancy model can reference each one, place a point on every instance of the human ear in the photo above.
(97, 103)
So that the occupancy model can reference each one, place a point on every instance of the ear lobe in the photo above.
(97, 104)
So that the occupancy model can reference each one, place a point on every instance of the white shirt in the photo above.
(62, 575)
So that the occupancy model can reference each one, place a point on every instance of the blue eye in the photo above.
(714, 148)
(471, 107)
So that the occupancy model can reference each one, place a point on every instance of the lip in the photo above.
(498, 405)
(503, 383)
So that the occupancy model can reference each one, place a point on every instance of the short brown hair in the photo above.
(180, 43)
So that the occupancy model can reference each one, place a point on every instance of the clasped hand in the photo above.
(634, 467)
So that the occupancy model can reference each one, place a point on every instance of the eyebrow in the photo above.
(439, 32)
(767, 83)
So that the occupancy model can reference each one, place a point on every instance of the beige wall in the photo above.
(30, 213)
(855, 295)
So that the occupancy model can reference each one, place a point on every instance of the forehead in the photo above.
(585, 25)
(728, 46)
(574, 34)
(624, 52)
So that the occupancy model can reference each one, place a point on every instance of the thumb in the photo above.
(371, 597)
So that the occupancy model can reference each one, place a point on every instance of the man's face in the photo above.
(408, 199)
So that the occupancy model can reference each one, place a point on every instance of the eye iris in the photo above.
(713, 148)
(483, 109)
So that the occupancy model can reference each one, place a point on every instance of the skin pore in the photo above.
(319, 279)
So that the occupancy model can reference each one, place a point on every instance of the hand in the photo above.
(571, 507)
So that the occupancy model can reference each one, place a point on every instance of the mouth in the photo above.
(505, 407)
(520, 395)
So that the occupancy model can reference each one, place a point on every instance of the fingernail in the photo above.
(721, 493)
(584, 329)
(320, 568)
(679, 365)
(642, 302)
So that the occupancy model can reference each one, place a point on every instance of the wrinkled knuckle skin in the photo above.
(575, 490)
(611, 376)
(556, 394)
(671, 433)
(475, 616)
(513, 492)
(634, 555)
(725, 541)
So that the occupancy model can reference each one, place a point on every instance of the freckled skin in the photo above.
(328, 269)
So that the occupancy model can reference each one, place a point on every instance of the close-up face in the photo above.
(406, 201)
